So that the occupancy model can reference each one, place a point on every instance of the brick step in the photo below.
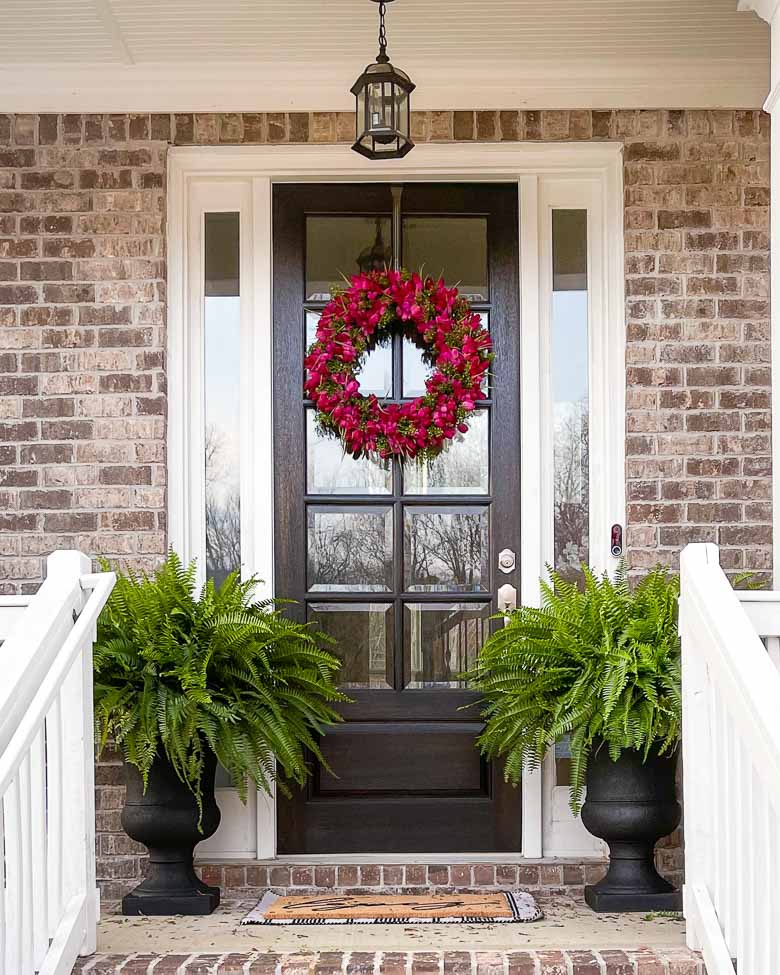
(243, 879)
(644, 961)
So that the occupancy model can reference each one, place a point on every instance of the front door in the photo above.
(398, 563)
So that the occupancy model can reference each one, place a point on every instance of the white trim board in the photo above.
(587, 175)
(614, 82)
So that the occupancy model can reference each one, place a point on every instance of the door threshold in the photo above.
(403, 858)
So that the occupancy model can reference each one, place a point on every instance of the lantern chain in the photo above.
(383, 58)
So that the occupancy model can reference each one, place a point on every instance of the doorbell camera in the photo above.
(616, 541)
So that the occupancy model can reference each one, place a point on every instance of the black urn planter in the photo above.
(165, 820)
(631, 805)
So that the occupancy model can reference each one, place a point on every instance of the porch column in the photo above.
(769, 10)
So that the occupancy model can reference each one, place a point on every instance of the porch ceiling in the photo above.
(245, 54)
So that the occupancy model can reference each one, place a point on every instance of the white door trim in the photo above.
(198, 176)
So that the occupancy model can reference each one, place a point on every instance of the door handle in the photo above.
(507, 598)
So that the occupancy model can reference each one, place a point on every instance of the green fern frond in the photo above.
(599, 663)
(181, 674)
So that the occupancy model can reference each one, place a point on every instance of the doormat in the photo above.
(501, 907)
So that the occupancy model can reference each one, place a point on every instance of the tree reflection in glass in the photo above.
(569, 360)
(441, 640)
(446, 549)
(350, 550)
(221, 373)
(463, 468)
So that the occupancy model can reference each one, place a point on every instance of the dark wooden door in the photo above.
(399, 564)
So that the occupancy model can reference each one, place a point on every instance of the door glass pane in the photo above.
(461, 469)
(364, 635)
(416, 370)
(376, 375)
(330, 471)
(446, 549)
(338, 246)
(452, 247)
(350, 549)
(570, 388)
(222, 367)
(441, 640)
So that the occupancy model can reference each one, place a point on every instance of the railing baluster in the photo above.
(772, 644)
(38, 834)
(3, 879)
(745, 826)
(720, 823)
(13, 876)
(773, 898)
(731, 838)
(25, 802)
(54, 838)
(756, 955)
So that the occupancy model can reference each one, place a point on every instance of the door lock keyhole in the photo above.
(506, 560)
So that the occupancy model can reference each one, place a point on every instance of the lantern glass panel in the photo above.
(375, 108)
(361, 118)
(401, 111)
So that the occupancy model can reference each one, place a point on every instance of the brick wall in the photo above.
(82, 368)
(82, 291)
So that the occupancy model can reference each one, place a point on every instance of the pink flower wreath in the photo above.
(364, 315)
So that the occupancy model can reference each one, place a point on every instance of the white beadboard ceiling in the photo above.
(205, 50)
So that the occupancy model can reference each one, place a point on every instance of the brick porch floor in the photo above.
(571, 940)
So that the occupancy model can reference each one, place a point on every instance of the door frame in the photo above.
(240, 179)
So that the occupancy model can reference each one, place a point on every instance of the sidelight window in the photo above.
(569, 379)
(221, 378)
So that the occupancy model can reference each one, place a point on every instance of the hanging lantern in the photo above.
(382, 109)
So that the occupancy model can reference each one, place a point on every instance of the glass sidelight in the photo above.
(569, 374)
(221, 360)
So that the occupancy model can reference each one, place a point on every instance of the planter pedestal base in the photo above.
(156, 905)
(614, 902)
(172, 887)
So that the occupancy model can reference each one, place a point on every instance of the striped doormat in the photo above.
(494, 907)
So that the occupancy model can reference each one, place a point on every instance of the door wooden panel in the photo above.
(402, 570)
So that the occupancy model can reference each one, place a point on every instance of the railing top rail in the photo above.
(734, 656)
(758, 595)
(13, 601)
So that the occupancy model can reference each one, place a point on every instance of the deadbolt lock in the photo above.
(506, 560)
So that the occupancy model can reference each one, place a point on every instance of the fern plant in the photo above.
(178, 674)
(600, 664)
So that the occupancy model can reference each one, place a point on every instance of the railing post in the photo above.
(77, 756)
(695, 740)
(88, 752)
(27, 655)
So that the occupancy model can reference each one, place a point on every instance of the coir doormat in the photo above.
(502, 907)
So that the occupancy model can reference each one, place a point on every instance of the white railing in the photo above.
(48, 896)
(763, 610)
(731, 771)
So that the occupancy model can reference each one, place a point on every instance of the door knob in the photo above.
(507, 598)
